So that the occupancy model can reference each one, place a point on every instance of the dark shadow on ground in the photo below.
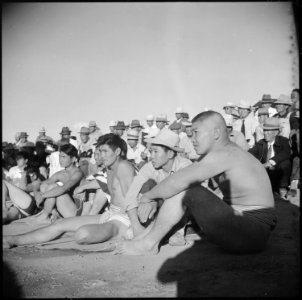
(204, 270)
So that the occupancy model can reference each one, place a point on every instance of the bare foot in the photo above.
(135, 247)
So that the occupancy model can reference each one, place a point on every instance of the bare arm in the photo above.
(60, 190)
(211, 165)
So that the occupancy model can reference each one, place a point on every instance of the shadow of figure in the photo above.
(10, 285)
(205, 270)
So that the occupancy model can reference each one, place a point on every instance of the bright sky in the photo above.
(68, 63)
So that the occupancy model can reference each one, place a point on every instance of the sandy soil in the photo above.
(199, 270)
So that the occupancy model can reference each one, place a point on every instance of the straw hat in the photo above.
(244, 104)
(132, 134)
(283, 99)
(152, 133)
(167, 138)
(150, 118)
(271, 124)
(179, 110)
(162, 118)
(112, 123)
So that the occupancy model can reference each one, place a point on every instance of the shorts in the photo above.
(266, 215)
(30, 210)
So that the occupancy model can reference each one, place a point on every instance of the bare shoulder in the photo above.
(126, 167)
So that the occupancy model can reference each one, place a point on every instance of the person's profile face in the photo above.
(98, 157)
(269, 135)
(295, 96)
(203, 137)
(159, 157)
(108, 156)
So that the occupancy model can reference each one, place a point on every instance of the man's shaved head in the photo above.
(212, 119)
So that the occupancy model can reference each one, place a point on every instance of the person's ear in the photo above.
(217, 133)
(118, 151)
(170, 154)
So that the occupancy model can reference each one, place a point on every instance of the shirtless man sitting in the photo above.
(98, 228)
(56, 192)
(241, 222)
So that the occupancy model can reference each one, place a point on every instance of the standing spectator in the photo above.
(274, 153)
(66, 136)
(112, 125)
(23, 142)
(95, 132)
(236, 137)
(263, 114)
(150, 124)
(120, 130)
(283, 114)
(42, 137)
(161, 121)
(178, 114)
(266, 102)
(247, 122)
(137, 126)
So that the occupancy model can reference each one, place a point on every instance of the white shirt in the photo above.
(135, 153)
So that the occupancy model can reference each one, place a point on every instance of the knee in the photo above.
(82, 235)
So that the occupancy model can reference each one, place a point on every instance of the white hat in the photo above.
(152, 133)
(112, 123)
(244, 104)
(162, 118)
(167, 138)
(229, 104)
(179, 110)
(150, 118)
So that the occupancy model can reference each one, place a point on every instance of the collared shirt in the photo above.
(135, 153)
(149, 172)
(250, 123)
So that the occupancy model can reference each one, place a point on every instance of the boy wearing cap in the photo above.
(90, 229)
(137, 153)
(273, 151)
(241, 222)
(164, 162)
(94, 131)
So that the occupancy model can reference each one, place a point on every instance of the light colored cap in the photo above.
(42, 129)
(162, 118)
(92, 123)
(271, 124)
(179, 110)
(150, 118)
(229, 104)
(167, 138)
(244, 104)
(132, 134)
(112, 123)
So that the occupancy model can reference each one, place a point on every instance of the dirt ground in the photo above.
(199, 270)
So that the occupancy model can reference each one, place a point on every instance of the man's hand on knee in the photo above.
(146, 211)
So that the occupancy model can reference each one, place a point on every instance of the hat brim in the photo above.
(155, 141)
(284, 103)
